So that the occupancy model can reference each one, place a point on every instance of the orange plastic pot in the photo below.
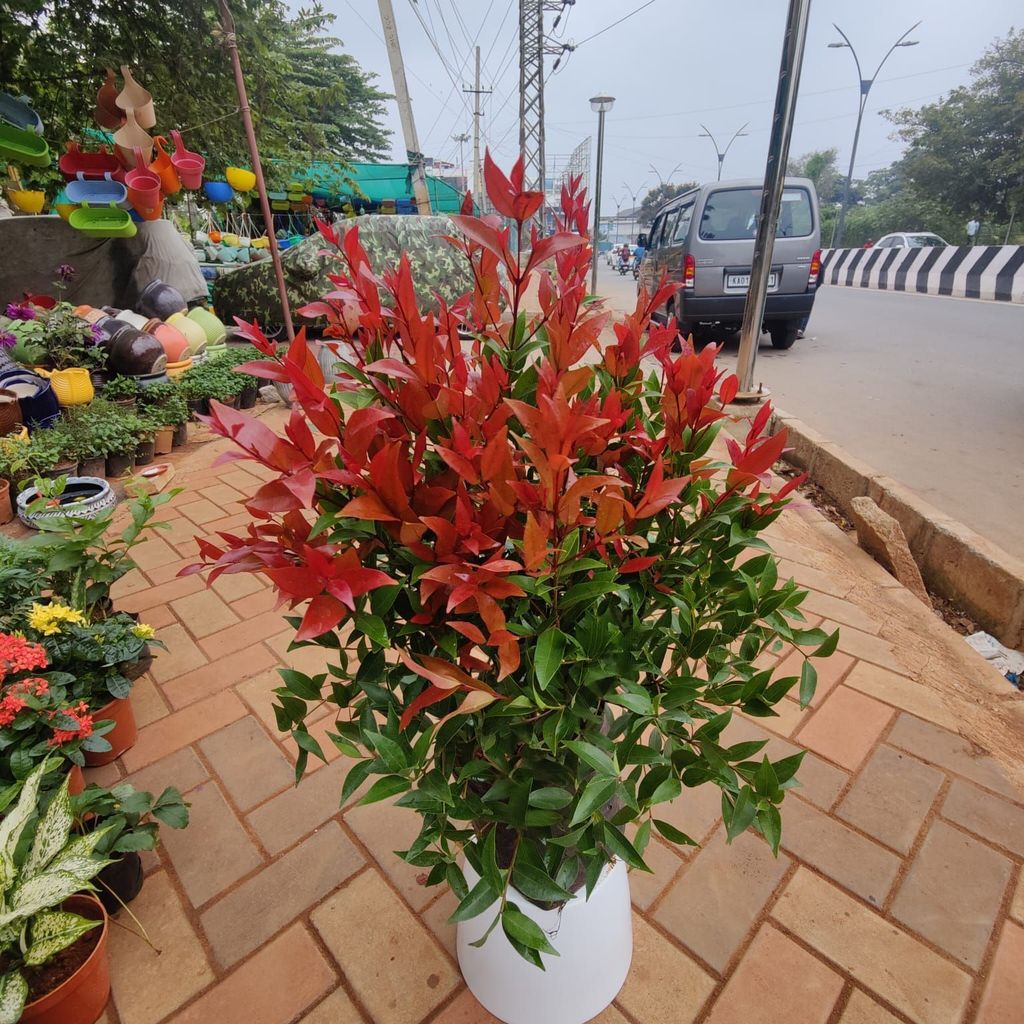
(76, 779)
(121, 737)
(163, 442)
(82, 997)
(6, 509)
(170, 183)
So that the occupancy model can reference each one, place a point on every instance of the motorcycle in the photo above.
(625, 262)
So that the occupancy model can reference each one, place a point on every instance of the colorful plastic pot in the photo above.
(161, 300)
(143, 185)
(107, 113)
(177, 369)
(23, 146)
(151, 212)
(260, 243)
(131, 137)
(240, 179)
(72, 386)
(163, 168)
(76, 163)
(39, 405)
(212, 326)
(188, 165)
(137, 320)
(174, 343)
(218, 191)
(135, 99)
(28, 201)
(103, 222)
(99, 192)
(16, 110)
(230, 239)
(63, 206)
(90, 314)
(195, 334)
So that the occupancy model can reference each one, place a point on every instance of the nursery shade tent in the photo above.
(377, 182)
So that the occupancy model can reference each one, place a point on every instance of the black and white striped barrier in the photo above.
(968, 271)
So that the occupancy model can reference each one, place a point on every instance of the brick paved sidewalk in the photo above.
(898, 897)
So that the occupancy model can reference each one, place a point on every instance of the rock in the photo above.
(882, 537)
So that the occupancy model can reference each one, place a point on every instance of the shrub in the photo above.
(120, 388)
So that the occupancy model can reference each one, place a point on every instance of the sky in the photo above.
(671, 66)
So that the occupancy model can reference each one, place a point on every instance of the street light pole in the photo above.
(634, 196)
(671, 174)
(865, 88)
(723, 152)
(601, 105)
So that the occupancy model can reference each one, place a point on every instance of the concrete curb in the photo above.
(955, 561)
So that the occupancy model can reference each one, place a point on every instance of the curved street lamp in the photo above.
(865, 88)
(706, 134)
(600, 105)
(635, 196)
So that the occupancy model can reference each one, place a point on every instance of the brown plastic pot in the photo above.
(96, 466)
(6, 511)
(163, 441)
(121, 737)
(144, 453)
(81, 998)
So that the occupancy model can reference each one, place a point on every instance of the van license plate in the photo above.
(743, 280)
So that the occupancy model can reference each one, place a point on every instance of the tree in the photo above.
(965, 150)
(820, 166)
(661, 194)
(309, 102)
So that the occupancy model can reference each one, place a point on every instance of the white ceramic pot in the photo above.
(593, 937)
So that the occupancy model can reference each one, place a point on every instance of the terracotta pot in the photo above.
(10, 412)
(119, 883)
(144, 453)
(76, 780)
(80, 999)
(121, 737)
(6, 510)
(164, 441)
(180, 435)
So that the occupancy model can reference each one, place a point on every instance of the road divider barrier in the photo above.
(994, 272)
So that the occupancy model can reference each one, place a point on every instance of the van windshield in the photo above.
(731, 214)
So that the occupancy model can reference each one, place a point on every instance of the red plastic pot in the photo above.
(81, 998)
(143, 185)
(188, 165)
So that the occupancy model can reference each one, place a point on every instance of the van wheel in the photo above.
(784, 333)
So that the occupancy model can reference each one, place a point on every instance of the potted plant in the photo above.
(130, 822)
(192, 385)
(535, 558)
(48, 912)
(236, 356)
(120, 439)
(121, 391)
(82, 439)
(72, 350)
(145, 437)
(166, 407)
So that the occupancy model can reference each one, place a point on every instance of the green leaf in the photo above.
(354, 778)
(642, 837)
(623, 848)
(550, 798)
(672, 834)
(51, 833)
(489, 860)
(639, 703)
(119, 687)
(476, 901)
(54, 930)
(828, 648)
(739, 816)
(388, 785)
(769, 824)
(519, 928)
(374, 627)
(597, 792)
(593, 756)
(808, 683)
(536, 885)
(548, 656)
(389, 750)
(306, 742)
(13, 993)
(303, 686)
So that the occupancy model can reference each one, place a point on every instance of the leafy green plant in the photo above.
(118, 389)
(129, 818)
(215, 379)
(166, 403)
(21, 568)
(43, 865)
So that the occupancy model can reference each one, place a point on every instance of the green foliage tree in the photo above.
(309, 101)
(820, 166)
(661, 194)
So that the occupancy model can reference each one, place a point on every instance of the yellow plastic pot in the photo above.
(240, 179)
(193, 332)
(27, 201)
(177, 369)
(261, 243)
(72, 386)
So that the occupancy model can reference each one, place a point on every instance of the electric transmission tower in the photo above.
(532, 48)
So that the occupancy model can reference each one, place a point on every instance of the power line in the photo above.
(625, 17)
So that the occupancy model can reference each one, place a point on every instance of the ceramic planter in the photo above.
(594, 938)
(80, 999)
(84, 497)
(212, 326)
(163, 442)
(121, 737)
(72, 386)
(119, 883)
(10, 412)
(161, 300)
(119, 465)
(193, 332)
(144, 453)
(180, 435)
(135, 353)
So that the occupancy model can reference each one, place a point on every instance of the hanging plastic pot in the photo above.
(27, 200)
(23, 146)
(143, 185)
(240, 179)
(16, 110)
(188, 165)
(133, 97)
(163, 168)
(218, 191)
(132, 137)
(107, 114)
(75, 163)
(103, 221)
(100, 192)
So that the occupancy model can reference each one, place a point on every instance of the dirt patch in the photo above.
(44, 979)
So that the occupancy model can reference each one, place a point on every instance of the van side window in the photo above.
(682, 228)
(656, 228)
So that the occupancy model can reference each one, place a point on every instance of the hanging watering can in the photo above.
(188, 165)
(240, 179)
(132, 137)
(163, 168)
(23, 146)
(133, 97)
(75, 163)
(219, 191)
(143, 185)
(100, 193)
(102, 221)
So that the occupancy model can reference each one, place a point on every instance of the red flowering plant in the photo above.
(521, 553)
(37, 713)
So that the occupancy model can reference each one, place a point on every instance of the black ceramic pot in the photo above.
(160, 300)
(136, 354)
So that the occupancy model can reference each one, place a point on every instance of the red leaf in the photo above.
(323, 613)
(368, 506)
(637, 564)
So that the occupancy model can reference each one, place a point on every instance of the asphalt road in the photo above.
(927, 389)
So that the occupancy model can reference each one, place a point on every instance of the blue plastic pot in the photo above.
(218, 191)
(101, 192)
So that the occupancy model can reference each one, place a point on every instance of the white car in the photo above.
(909, 240)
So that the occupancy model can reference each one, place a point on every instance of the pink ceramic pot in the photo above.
(174, 342)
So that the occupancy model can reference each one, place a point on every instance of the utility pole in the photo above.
(771, 195)
(600, 105)
(865, 88)
(478, 180)
(412, 145)
(462, 138)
